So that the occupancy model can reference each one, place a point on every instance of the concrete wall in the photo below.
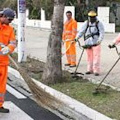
(69, 8)
(103, 15)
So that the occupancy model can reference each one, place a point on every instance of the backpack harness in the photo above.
(91, 34)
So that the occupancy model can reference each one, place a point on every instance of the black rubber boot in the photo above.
(67, 64)
(96, 74)
(72, 65)
(4, 110)
(89, 72)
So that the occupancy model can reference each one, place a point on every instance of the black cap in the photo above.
(8, 13)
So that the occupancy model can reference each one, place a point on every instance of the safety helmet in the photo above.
(8, 13)
(92, 14)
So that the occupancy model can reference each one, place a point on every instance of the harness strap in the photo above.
(92, 34)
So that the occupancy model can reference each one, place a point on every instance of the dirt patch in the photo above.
(33, 67)
(79, 89)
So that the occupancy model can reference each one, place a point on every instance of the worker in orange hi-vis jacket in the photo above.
(69, 34)
(7, 45)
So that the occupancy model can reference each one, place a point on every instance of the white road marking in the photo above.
(15, 113)
(15, 93)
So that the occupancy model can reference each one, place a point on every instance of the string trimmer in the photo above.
(98, 89)
(75, 73)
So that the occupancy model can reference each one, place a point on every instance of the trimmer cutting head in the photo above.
(101, 90)
(77, 75)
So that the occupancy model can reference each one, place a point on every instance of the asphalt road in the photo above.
(25, 107)
(31, 108)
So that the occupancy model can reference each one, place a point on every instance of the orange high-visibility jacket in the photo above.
(69, 30)
(7, 38)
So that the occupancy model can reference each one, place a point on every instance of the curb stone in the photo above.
(71, 108)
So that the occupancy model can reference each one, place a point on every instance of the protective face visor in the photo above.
(92, 19)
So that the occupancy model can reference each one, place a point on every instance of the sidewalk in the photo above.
(62, 105)
(37, 40)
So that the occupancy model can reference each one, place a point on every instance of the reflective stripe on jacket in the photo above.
(69, 30)
(7, 38)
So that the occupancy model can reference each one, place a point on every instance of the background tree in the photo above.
(53, 68)
(8, 3)
(48, 5)
(81, 6)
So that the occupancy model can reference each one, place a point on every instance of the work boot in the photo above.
(96, 74)
(72, 65)
(89, 72)
(67, 64)
(4, 110)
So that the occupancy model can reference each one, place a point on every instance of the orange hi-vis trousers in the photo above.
(93, 59)
(3, 81)
(71, 52)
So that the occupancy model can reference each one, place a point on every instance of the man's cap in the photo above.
(92, 14)
(8, 13)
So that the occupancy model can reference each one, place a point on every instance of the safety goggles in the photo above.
(9, 19)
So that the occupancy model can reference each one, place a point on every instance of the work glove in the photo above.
(84, 46)
(5, 50)
(111, 46)
(76, 39)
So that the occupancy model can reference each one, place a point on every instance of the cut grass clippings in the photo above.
(80, 89)
(106, 103)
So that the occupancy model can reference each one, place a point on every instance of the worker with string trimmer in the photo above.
(93, 32)
(98, 89)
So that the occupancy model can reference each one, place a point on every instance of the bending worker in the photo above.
(7, 45)
(69, 33)
(93, 32)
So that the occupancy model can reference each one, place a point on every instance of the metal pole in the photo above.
(21, 30)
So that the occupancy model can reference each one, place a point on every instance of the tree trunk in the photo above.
(53, 68)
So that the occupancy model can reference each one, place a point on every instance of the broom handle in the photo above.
(67, 48)
(13, 61)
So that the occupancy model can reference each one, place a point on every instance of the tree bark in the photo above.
(53, 68)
